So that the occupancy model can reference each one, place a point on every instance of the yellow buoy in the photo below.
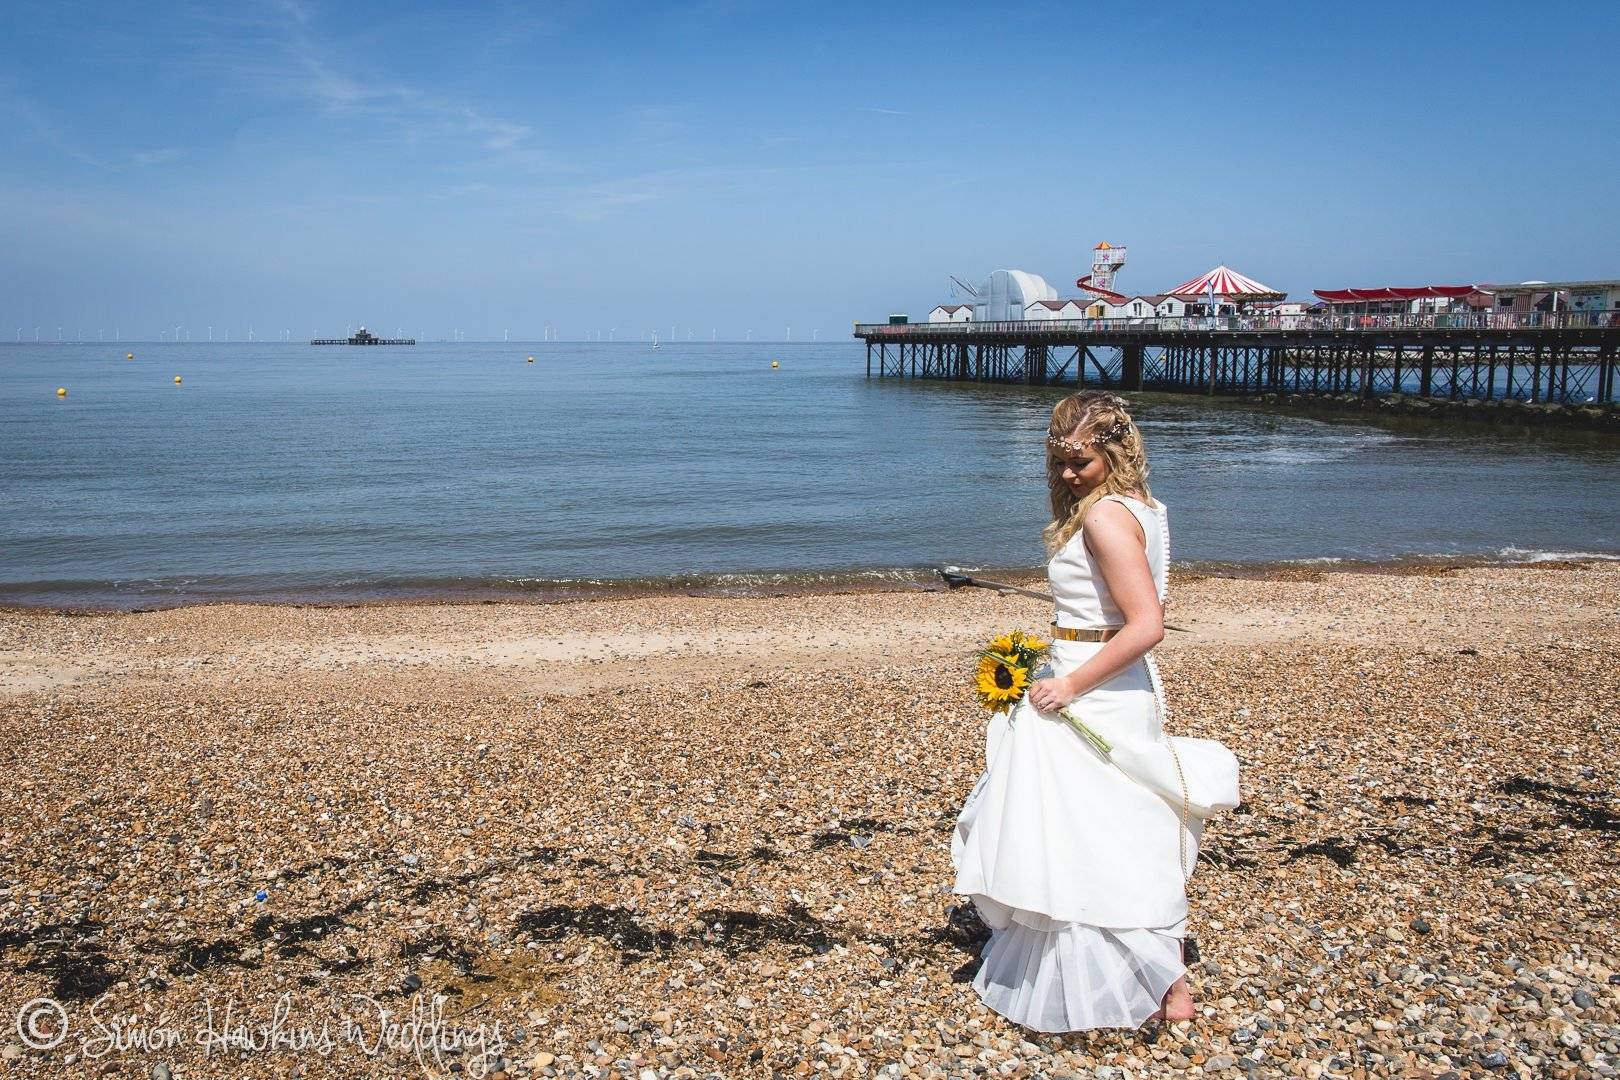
(129, 356)
(61, 391)
(177, 378)
(776, 363)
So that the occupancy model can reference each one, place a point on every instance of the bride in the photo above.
(1075, 857)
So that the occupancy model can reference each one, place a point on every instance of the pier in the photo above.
(363, 337)
(1566, 357)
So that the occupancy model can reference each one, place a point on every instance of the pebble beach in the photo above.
(682, 836)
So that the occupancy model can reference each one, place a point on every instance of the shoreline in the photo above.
(1509, 415)
(759, 584)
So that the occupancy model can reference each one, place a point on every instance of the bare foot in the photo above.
(1178, 1003)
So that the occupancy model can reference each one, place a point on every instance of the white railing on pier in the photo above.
(1489, 320)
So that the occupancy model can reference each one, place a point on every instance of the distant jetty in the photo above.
(363, 337)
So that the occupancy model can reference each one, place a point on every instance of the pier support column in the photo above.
(1035, 364)
(1426, 370)
(1130, 367)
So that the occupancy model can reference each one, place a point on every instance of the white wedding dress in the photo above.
(1076, 868)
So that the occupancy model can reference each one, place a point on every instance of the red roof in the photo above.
(1395, 292)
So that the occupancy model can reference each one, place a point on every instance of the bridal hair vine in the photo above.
(1112, 433)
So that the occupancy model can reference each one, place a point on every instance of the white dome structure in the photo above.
(1006, 294)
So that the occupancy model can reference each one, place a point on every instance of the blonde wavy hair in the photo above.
(1101, 420)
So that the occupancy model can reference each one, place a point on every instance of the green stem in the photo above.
(1102, 745)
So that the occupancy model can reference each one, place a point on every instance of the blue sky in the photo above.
(736, 166)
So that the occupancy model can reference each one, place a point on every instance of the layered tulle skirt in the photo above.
(1076, 868)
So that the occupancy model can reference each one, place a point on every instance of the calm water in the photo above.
(460, 469)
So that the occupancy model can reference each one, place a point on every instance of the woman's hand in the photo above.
(1050, 695)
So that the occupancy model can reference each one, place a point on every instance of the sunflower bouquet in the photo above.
(1007, 668)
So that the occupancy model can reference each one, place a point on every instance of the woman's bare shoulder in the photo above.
(1108, 509)
(1107, 518)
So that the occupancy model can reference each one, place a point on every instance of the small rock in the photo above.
(160, 1071)
(411, 983)
(1494, 1060)
(11, 1052)
(1420, 925)
(1583, 1000)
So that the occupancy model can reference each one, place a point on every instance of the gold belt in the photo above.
(1070, 633)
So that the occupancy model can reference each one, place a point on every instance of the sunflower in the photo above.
(1000, 683)
(1005, 643)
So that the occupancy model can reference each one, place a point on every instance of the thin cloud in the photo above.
(45, 128)
(156, 157)
(886, 112)
(298, 66)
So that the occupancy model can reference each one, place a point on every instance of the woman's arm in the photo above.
(1114, 538)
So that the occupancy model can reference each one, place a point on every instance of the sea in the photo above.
(464, 471)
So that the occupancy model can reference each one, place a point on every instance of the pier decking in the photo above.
(1562, 357)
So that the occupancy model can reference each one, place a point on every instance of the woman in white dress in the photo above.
(1078, 867)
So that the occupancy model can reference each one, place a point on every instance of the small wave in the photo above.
(1535, 555)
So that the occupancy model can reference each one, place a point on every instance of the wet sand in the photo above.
(700, 835)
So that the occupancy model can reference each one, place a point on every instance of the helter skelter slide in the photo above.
(1106, 259)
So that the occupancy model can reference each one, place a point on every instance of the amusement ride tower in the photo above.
(1106, 260)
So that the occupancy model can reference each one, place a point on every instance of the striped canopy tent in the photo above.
(1226, 284)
